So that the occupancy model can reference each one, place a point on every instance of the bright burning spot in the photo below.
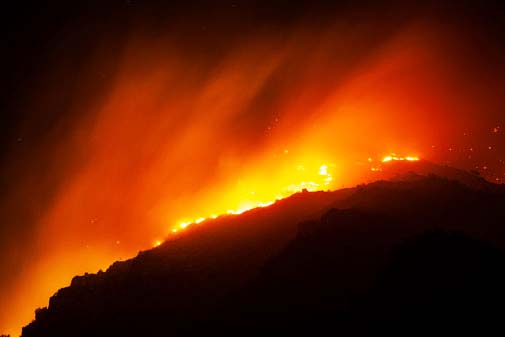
(390, 158)
(394, 157)
(323, 170)
(184, 224)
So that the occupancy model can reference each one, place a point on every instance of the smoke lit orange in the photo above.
(176, 138)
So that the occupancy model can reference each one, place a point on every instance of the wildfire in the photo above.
(390, 158)
(394, 157)
(176, 137)
(321, 178)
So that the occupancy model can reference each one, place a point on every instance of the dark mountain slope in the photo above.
(434, 282)
(336, 261)
(441, 282)
(181, 279)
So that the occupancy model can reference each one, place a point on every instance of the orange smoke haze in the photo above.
(176, 138)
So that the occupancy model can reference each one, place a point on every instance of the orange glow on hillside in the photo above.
(310, 178)
(321, 181)
(178, 137)
(390, 158)
(394, 157)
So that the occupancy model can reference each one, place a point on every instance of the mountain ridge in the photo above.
(226, 267)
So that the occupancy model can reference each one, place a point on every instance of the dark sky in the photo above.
(207, 91)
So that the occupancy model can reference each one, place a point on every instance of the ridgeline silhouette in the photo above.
(421, 253)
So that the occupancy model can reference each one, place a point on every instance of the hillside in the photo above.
(420, 252)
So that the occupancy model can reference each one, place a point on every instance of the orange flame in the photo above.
(322, 180)
(394, 157)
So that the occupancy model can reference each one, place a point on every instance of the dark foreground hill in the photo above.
(417, 255)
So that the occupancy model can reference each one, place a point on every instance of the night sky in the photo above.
(120, 118)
